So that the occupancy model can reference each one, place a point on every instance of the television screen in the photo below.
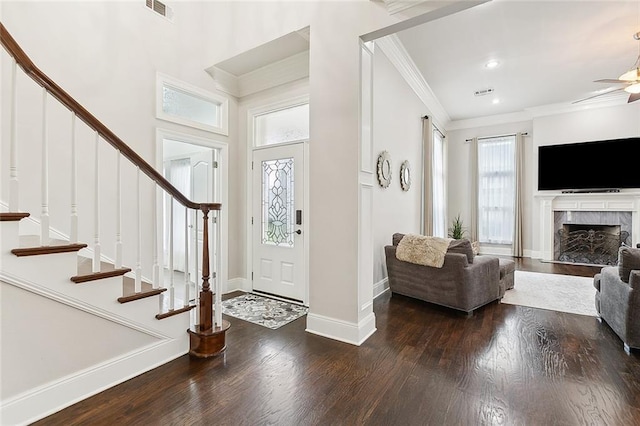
(598, 165)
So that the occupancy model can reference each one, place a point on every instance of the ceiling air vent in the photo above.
(483, 92)
(160, 8)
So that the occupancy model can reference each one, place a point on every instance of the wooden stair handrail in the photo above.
(30, 69)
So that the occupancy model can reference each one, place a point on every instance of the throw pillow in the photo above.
(462, 246)
(475, 247)
(628, 260)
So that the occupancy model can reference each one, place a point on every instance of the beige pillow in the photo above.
(475, 247)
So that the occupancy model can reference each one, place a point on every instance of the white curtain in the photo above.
(427, 176)
(178, 172)
(518, 250)
(438, 182)
(496, 189)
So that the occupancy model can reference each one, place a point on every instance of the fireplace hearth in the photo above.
(590, 243)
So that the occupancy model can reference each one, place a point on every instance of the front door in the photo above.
(278, 241)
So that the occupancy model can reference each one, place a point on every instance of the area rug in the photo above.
(267, 312)
(564, 293)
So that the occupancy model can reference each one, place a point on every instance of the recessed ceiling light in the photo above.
(491, 64)
(496, 101)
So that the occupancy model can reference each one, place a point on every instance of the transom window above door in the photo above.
(284, 125)
(182, 103)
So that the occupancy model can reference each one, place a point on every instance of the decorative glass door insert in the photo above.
(278, 202)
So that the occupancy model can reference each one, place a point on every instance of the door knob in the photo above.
(299, 231)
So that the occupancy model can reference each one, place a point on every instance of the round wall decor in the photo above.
(405, 175)
(384, 169)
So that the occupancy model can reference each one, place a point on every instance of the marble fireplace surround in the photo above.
(558, 205)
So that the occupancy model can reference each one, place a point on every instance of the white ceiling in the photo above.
(550, 52)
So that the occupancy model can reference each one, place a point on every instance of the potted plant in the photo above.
(457, 231)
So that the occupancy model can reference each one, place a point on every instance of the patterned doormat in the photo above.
(267, 312)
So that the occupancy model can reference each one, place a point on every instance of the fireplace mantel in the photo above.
(602, 201)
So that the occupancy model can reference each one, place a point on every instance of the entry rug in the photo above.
(563, 293)
(267, 312)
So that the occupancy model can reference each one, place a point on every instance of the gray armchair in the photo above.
(465, 282)
(618, 296)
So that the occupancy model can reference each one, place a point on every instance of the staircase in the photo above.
(75, 322)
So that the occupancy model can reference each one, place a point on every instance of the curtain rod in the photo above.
(497, 136)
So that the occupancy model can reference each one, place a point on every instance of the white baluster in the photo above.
(96, 213)
(118, 263)
(156, 265)
(198, 278)
(13, 148)
(44, 216)
(218, 282)
(73, 234)
(186, 257)
(138, 284)
(171, 287)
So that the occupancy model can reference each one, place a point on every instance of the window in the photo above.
(439, 218)
(496, 189)
(289, 124)
(191, 106)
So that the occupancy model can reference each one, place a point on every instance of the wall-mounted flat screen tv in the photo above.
(597, 165)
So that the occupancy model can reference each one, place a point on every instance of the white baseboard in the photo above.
(380, 287)
(343, 331)
(53, 397)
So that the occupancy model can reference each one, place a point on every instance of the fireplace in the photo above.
(556, 210)
(590, 243)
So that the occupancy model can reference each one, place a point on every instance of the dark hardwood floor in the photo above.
(425, 365)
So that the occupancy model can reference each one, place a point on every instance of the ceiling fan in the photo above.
(630, 81)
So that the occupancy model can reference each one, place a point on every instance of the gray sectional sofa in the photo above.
(465, 282)
(618, 296)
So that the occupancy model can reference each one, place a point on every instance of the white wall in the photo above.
(397, 129)
(50, 330)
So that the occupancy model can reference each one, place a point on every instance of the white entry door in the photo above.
(278, 240)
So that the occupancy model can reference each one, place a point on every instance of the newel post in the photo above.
(207, 340)
(206, 296)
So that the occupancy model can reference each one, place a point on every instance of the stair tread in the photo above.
(29, 245)
(12, 216)
(166, 312)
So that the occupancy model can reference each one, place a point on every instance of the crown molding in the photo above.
(529, 114)
(395, 51)
(287, 70)
(489, 120)
(605, 101)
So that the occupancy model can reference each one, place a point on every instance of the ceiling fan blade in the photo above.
(610, 81)
(599, 94)
(633, 97)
